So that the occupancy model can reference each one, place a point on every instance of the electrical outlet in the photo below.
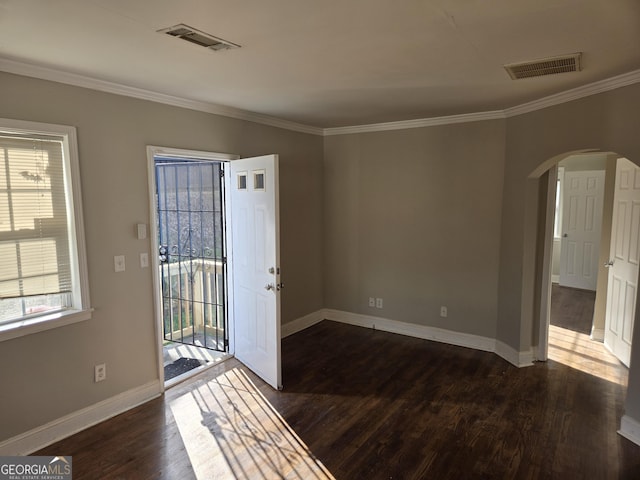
(443, 311)
(100, 372)
(144, 260)
(378, 303)
(372, 302)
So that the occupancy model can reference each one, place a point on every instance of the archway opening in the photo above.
(588, 269)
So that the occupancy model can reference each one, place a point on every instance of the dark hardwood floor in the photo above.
(572, 308)
(364, 404)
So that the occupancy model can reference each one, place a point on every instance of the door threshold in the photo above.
(196, 371)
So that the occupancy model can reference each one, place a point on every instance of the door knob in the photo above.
(608, 264)
(269, 286)
(565, 235)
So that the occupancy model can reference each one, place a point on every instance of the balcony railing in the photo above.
(193, 299)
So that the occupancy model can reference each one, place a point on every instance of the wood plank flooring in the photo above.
(364, 404)
(572, 308)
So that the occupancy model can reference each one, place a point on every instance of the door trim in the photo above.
(542, 353)
(152, 152)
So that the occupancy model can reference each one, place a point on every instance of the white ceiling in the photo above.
(329, 63)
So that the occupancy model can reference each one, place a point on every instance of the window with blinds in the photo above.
(38, 244)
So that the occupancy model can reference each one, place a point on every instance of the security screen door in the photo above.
(193, 264)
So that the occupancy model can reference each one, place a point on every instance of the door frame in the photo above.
(152, 152)
(545, 288)
(544, 242)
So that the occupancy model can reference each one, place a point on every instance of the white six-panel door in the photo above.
(256, 258)
(623, 261)
(583, 194)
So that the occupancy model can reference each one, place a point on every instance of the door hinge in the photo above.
(221, 173)
(224, 260)
(226, 343)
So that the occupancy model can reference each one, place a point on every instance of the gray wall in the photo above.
(585, 162)
(50, 374)
(413, 216)
(421, 217)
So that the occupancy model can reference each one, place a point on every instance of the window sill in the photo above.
(40, 324)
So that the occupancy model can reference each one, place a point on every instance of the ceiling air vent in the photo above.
(546, 66)
(192, 35)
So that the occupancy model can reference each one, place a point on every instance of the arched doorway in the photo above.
(615, 262)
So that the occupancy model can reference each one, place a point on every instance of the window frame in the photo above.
(81, 309)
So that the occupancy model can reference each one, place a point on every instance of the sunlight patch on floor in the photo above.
(231, 431)
(578, 351)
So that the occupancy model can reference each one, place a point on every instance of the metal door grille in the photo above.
(193, 267)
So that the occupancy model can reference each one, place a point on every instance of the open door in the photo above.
(623, 261)
(256, 265)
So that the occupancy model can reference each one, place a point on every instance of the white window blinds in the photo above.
(34, 223)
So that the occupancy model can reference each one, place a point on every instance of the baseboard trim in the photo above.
(519, 359)
(33, 440)
(597, 334)
(301, 323)
(39, 437)
(630, 429)
(477, 342)
(413, 330)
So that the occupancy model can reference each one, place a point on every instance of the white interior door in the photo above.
(583, 195)
(256, 258)
(623, 261)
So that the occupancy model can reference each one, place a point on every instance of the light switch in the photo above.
(144, 260)
(118, 263)
(142, 231)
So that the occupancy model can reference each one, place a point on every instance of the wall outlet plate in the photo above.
(378, 303)
(100, 372)
(372, 302)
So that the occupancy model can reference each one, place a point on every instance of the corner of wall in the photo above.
(518, 359)
(301, 323)
(630, 429)
(514, 357)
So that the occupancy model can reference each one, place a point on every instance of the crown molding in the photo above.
(575, 93)
(417, 123)
(46, 73)
(601, 86)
